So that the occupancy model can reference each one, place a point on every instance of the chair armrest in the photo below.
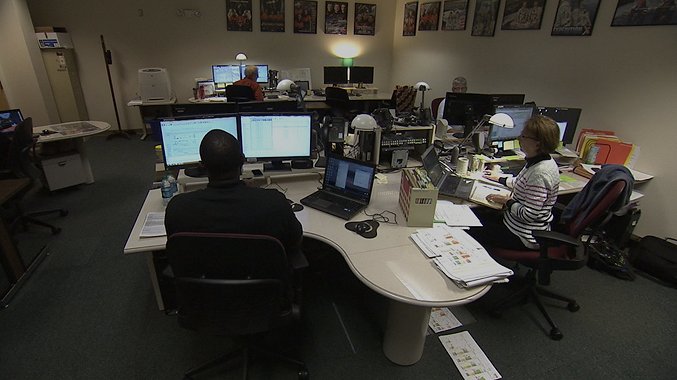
(549, 238)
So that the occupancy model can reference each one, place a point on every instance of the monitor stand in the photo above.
(196, 172)
(277, 166)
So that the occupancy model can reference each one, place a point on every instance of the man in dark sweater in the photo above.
(228, 205)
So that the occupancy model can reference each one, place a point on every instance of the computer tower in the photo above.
(619, 229)
(154, 85)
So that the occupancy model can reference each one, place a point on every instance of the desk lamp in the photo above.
(424, 114)
(365, 125)
(501, 120)
(241, 57)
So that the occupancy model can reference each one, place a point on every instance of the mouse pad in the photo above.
(365, 228)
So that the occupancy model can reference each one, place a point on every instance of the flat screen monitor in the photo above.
(519, 115)
(276, 137)
(226, 73)
(10, 118)
(507, 99)
(181, 137)
(335, 75)
(263, 73)
(566, 119)
(362, 74)
(466, 109)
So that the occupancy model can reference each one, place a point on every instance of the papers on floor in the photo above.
(442, 319)
(469, 357)
(154, 225)
(456, 215)
(459, 256)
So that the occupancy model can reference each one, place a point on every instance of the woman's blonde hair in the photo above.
(545, 131)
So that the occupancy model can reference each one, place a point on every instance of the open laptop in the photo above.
(455, 186)
(346, 188)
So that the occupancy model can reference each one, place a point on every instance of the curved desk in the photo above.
(389, 264)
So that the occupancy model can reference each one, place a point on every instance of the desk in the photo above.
(57, 170)
(390, 264)
(148, 109)
(13, 264)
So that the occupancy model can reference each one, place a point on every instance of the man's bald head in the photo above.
(221, 154)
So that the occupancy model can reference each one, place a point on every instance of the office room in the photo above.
(89, 311)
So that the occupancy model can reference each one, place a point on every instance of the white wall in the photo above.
(188, 47)
(624, 79)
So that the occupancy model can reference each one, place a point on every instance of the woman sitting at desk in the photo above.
(534, 191)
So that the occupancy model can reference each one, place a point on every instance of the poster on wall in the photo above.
(575, 17)
(336, 18)
(430, 16)
(272, 15)
(645, 12)
(305, 16)
(410, 14)
(454, 14)
(523, 15)
(365, 19)
(239, 15)
(484, 22)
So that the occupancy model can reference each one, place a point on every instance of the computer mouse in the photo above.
(296, 207)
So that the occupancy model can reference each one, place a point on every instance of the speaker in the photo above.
(302, 164)
(154, 85)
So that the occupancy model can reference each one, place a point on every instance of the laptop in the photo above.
(455, 186)
(346, 187)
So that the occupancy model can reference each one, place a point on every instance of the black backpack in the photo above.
(656, 257)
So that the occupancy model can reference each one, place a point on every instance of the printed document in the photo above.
(154, 225)
(469, 357)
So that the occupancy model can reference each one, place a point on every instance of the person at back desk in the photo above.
(228, 205)
(251, 74)
(529, 207)
(459, 84)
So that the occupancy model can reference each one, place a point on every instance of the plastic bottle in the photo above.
(173, 184)
(166, 191)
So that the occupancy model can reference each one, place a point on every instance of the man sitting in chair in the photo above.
(228, 205)
(251, 74)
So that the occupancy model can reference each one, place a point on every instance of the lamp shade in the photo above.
(422, 86)
(364, 122)
(241, 57)
(502, 120)
(285, 85)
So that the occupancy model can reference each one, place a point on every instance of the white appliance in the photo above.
(154, 85)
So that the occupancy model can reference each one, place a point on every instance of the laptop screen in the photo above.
(432, 165)
(10, 119)
(351, 178)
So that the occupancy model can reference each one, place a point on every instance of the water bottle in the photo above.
(166, 191)
(173, 184)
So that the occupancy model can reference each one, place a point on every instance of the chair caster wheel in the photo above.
(555, 334)
(304, 375)
(573, 306)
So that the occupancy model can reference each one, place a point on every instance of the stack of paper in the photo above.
(459, 256)
(456, 215)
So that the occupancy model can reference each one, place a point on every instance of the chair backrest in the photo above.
(336, 94)
(404, 97)
(237, 93)
(230, 284)
(435, 106)
(19, 159)
(596, 214)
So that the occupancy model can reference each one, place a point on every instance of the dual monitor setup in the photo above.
(359, 75)
(466, 110)
(226, 74)
(271, 137)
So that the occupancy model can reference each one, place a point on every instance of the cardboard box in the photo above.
(50, 37)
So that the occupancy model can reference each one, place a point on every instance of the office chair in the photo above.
(21, 163)
(403, 99)
(559, 250)
(337, 98)
(236, 93)
(435, 106)
(233, 285)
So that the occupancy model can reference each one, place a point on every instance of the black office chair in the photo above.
(337, 98)
(22, 163)
(236, 93)
(233, 285)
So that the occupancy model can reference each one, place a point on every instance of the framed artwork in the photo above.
(430, 16)
(272, 15)
(484, 22)
(336, 18)
(410, 14)
(575, 17)
(645, 12)
(454, 14)
(365, 19)
(523, 14)
(305, 16)
(239, 15)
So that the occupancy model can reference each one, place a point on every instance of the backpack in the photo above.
(656, 257)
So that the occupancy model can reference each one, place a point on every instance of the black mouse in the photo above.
(296, 207)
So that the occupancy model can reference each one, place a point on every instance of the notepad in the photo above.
(154, 225)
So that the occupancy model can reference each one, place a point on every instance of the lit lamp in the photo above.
(365, 125)
(500, 120)
(424, 114)
(241, 57)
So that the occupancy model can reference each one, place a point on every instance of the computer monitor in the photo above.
(362, 74)
(181, 137)
(263, 73)
(507, 99)
(335, 75)
(466, 109)
(519, 114)
(226, 73)
(566, 119)
(10, 118)
(276, 137)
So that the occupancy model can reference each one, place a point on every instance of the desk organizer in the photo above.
(417, 201)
